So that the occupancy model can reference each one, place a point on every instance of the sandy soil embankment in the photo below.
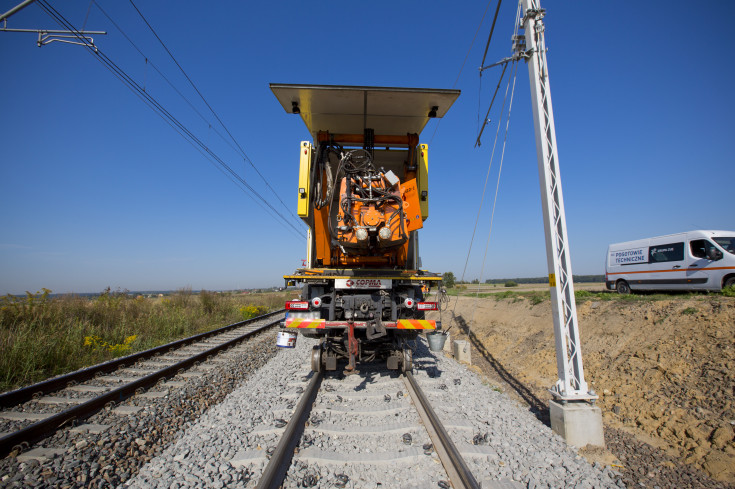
(663, 369)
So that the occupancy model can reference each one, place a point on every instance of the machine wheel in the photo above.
(316, 358)
(730, 282)
(407, 363)
(622, 287)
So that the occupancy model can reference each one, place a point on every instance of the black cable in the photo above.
(492, 29)
(229, 143)
(477, 142)
(86, 17)
(153, 103)
(436, 128)
(242, 151)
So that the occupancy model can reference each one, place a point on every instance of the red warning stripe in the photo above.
(323, 323)
(305, 323)
(415, 324)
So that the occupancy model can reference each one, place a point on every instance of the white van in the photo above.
(697, 260)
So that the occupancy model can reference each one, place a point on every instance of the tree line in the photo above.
(450, 280)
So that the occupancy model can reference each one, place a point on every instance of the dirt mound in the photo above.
(663, 369)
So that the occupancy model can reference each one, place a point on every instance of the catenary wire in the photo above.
(482, 198)
(492, 155)
(191, 105)
(148, 61)
(463, 63)
(242, 151)
(155, 105)
(489, 37)
(497, 188)
(484, 123)
(86, 17)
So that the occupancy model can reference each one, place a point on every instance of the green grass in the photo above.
(533, 296)
(42, 336)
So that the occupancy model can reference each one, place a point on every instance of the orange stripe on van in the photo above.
(673, 270)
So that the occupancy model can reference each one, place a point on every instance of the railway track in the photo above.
(361, 427)
(287, 425)
(31, 413)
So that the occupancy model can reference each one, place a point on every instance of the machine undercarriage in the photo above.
(361, 325)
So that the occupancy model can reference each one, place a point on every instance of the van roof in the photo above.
(707, 232)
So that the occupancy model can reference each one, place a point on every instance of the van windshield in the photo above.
(728, 244)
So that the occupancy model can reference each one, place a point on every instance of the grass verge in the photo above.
(42, 337)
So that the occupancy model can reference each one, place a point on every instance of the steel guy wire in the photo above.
(162, 75)
(482, 199)
(492, 29)
(242, 151)
(86, 17)
(484, 122)
(463, 63)
(153, 103)
(497, 188)
(191, 105)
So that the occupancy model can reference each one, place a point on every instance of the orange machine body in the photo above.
(376, 233)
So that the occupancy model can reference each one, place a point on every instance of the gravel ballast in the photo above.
(230, 444)
(128, 441)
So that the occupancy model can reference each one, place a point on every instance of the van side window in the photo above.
(667, 252)
(698, 248)
(728, 244)
(702, 248)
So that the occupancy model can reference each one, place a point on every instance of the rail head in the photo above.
(457, 470)
(275, 472)
(41, 429)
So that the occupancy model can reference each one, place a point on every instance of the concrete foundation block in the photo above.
(579, 423)
(461, 350)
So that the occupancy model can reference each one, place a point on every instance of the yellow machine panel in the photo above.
(423, 180)
(304, 172)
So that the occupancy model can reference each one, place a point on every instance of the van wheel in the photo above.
(622, 287)
(730, 282)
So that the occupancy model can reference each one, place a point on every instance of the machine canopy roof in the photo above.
(388, 111)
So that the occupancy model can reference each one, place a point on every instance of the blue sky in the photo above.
(98, 191)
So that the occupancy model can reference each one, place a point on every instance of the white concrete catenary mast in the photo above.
(571, 413)
(571, 384)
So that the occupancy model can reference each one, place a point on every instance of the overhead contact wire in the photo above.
(148, 60)
(242, 151)
(497, 186)
(482, 199)
(464, 62)
(489, 37)
(153, 103)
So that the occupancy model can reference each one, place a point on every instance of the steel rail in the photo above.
(24, 394)
(41, 429)
(459, 475)
(275, 471)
